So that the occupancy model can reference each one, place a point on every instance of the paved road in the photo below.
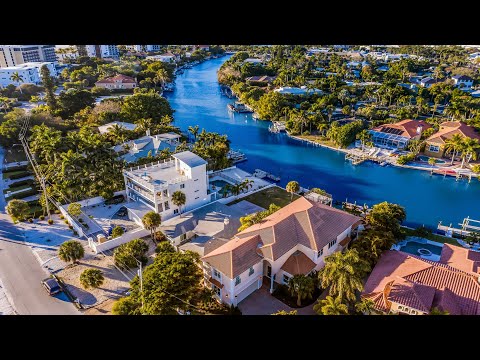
(21, 272)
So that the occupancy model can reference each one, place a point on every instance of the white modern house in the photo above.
(294, 240)
(134, 150)
(147, 48)
(166, 58)
(462, 81)
(30, 73)
(150, 187)
(290, 90)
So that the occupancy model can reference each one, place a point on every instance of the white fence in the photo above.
(110, 244)
(76, 225)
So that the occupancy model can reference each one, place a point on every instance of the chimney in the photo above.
(148, 132)
(419, 129)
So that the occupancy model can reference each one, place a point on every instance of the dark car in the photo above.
(51, 285)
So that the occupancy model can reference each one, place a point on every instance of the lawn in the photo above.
(15, 155)
(264, 198)
(433, 237)
(12, 189)
(7, 175)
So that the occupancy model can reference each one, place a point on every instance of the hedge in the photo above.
(19, 175)
(23, 194)
(22, 182)
(115, 200)
(15, 168)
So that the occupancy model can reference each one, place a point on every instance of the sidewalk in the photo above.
(5, 306)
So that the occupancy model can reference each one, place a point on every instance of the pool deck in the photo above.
(432, 257)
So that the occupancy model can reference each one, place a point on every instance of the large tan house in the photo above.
(397, 135)
(435, 144)
(406, 284)
(294, 240)
(120, 81)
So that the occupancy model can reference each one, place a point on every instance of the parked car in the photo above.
(52, 286)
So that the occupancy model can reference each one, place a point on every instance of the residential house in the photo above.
(124, 125)
(253, 61)
(262, 80)
(119, 81)
(294, 240)
(406, 284)
(462, 81)
(398, 135)
(30, 73)
(203, 47)
(165, 57)
(435, 144)
(134, 150)
(290, 90)
(150, 187)
(428, 81)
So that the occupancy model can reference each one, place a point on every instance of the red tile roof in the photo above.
(461, 258)
(450, 128)
(407, 127)
(423, 284)
(118, 78)
(298, 263)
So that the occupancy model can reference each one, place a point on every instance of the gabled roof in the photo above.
(120, 78)
(236, 256)
(408, 280)
(298, 263)
(461, 258)
(450, 128)
(406, 128)
(313, 225)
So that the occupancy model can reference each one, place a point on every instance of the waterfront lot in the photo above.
(272, 195)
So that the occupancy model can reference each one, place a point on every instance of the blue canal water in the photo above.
(427, 199)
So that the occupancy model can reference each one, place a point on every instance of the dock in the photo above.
(277, 127)
(261, 174)
(465, 228)
(236, 156)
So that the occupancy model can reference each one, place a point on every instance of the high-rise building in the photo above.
(147, 48)
(13, 55)
(102, 51)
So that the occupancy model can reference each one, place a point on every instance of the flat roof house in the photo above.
(398, 135)
(406, 284)
(462, 81)
(435, 144)
(141, 147)
(294, 240)
(119, 81)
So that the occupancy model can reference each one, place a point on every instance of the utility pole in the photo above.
(140, 276)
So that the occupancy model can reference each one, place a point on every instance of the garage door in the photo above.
(247, 291)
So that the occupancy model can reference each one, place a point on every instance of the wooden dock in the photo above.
(465, 229)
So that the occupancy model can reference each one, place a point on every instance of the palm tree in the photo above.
(161, 76)
(151, 221)
(179, 199)
(194, 131)
(292, 187)
(117, 133)
(364, 136)
(454, 144)
(330, 109)
(470, 149)
(331, 306)
(343, 273)
(144, 124)
(365, 306)
(302, 286)
(16, 77)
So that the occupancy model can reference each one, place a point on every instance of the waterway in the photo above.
(427, 199)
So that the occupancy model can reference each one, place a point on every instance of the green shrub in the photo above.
(115, 200)
(30, 220)
(117, 232)
(50, 221)
(66, 221)
(41, 217)
(125, 255)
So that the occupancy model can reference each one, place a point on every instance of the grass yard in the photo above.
(7, 175)
(433, 237)
(15, 155)
(35, 211)
(12, 189)
(264, 198)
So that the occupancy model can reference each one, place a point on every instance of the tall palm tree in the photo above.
(365, 306)
(364, 136)
(16, 77)
(151, 221)
(331, 306)
(194, 131)
(343, 273)
(454, 144)
(470, 149)
(301, 286)
(292, 187)
(179, 199)
(160, 76)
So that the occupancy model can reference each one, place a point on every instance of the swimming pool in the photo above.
(218, 183)
(413, 246)
(425, 159)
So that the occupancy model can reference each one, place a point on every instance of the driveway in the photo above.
(21, 273)
(261, 302)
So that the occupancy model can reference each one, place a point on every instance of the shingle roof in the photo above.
(189, 158)
(118, 78)
(454, 290)
(313, 225)
(449, 128)
(407, 127)
(235, 257)
(298, 263)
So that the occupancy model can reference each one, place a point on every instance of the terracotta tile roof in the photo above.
(407, 127)
(298, 263)
(455, 290)
(235, 256)
(313, 225)
(461, 258)
(450, 128)
(118, 78)
(215, 282)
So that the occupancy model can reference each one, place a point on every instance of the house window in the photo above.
(167, 206)
(183, 237)
(238, 280)
(182, 186)
(331, 243)
(216, 290)
(286, 279)
(216, 274)
(195, 180)
(434, 148)
(175, 211)
(400, 307)
(165, 193)
(251, 271)
(413, 312)
(320, 253)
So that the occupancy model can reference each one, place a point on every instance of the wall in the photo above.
(97, 200)
(76, 225)
(110, 244)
